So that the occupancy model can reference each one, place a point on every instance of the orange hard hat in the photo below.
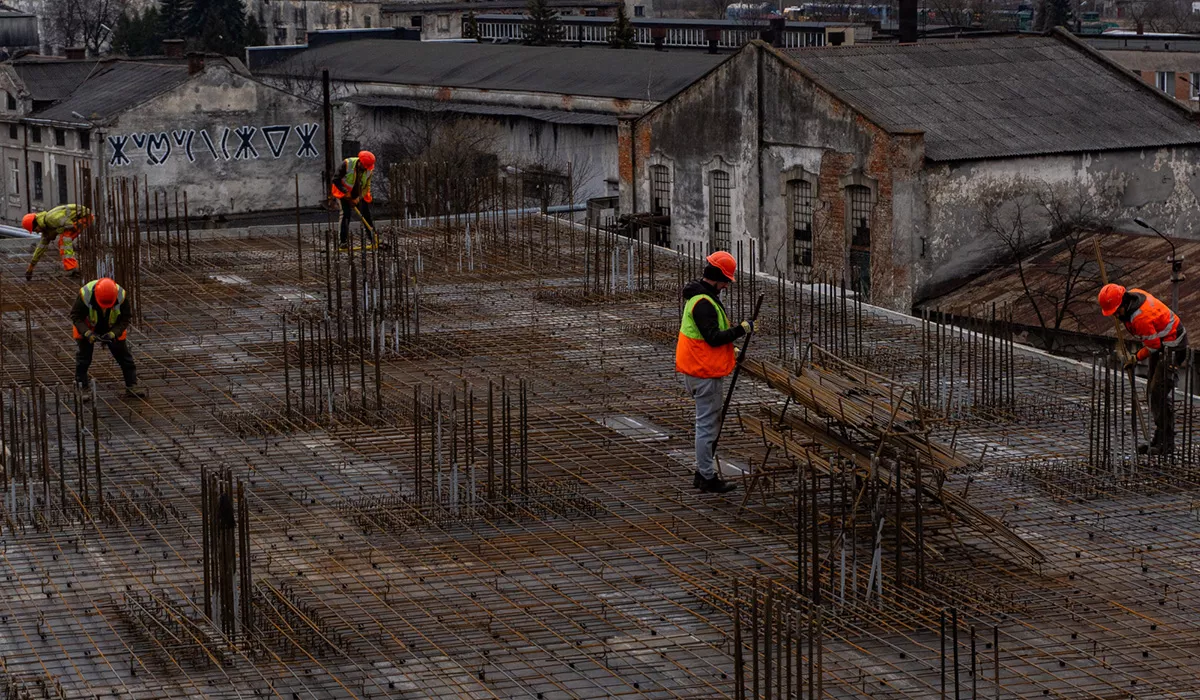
(1110, 298)
(27, 221)
(367, 158)
(105, 293)
(724, 262)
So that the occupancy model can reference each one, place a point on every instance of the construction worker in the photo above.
(704, 355)
(352, 185)
(102, 313)
(1164, 341)
(62, 222)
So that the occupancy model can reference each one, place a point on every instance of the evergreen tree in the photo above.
(255, 34)
(470, 26)
(218, 26)
(172, 18)
(622, 34)
(138, 34)
(541, 27)
(1055, 13)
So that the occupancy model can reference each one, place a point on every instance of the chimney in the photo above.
(659, 35)
(76, 53)
(713, 37)
(195, 63)
(777, 25)
(172, 48)
(908, 21)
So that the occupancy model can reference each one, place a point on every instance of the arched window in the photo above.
(800, 222)
(858, 204)
(719, 210)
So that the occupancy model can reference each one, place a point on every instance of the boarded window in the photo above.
(38, 181)
(14, 176)
(800, 221)
(660, 203)
(61, 179)
(859, 205)
(719, 210)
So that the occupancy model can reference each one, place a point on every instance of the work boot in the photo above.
(134, 391)
(716, 485)
(698, 480)
(85, 392)
(1143, 449)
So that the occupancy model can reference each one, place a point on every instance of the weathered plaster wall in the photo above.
(591, 150)
(289, 21)
(806, 134)
(709, 126)
(232, 143)
(1161, 186)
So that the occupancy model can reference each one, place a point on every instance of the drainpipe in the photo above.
(25, 151)
(759, 151)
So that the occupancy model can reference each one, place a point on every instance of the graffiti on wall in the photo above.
(226, 143)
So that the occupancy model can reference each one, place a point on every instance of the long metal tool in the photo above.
(737, 369)
(1123, 353)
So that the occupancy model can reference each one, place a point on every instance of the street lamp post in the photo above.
(1176, 264)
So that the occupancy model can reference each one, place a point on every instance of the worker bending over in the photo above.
(352, 185)
(63, 222)
(704, 356)
(102, 313)
(1164, 341)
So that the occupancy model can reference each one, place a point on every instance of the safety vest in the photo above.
(352, 178)
(86, 293)
(1153, 323)
(693, 355)
(61, 218)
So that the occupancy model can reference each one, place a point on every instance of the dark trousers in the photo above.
(1160, 392)
(348, 215)
(120, 352)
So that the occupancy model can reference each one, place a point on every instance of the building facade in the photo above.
(205, 128)
(869, 164)
(287, 22)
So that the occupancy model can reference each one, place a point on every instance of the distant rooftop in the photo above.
(1001, 96)
(596, 72)
(112, 89)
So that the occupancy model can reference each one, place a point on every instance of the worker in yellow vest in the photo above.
(352, 185)
(63, 222)
(101, 314)
(704, 356)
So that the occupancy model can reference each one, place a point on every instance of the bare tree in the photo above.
(87, 23)
(1026, 214)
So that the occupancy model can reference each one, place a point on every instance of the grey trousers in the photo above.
(708, 395)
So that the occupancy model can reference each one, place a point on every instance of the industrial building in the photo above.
(868, 163)
(201, 124)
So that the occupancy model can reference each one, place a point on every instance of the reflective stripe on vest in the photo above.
(86, 293)
(61, 218)
(693, 355)
(352, 175)
(1150, 305)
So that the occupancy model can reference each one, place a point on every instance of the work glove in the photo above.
(29, 273)
(108, 337)
(90, 336)
(748, 326)
(1131, 361)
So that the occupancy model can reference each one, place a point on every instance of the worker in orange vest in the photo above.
(101, 314)
(704, 355)
(352, 185)
(1164, 341)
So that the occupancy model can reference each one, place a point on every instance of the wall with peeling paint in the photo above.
(925, 227)
(589, 149)
(1161, 186)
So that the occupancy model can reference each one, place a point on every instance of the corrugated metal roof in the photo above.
(546, 115)
(1179, 61)
(49, 80)
(1064, 99)
(1131, 259)
(113, 88)
(594, 72)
